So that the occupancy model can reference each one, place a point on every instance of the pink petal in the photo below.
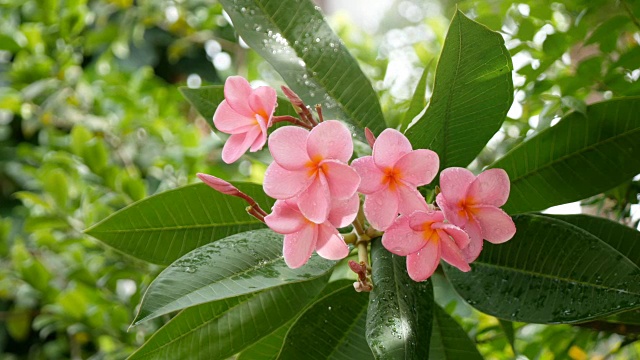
(342, 179)
(259, 142)
(218, 184)
(371, 139)
(497, 227)
(237, 92)
(472, 251)
(454, 183)
(371, 177)
(491, 187)
(237, 145)
(419, 218)
(389, 147)
(422, 264)
(315, 201)
(288, 146)
(451, 253)
(284, 218)
(263, 101)
(418, 167)
(299, 246)
(330, 244)
(454, 214)
(381, 208)
(280, 183)
(230, 121)
(400, 239)
(460, 237)
(343, 212)
(410, 200)
(330, 140)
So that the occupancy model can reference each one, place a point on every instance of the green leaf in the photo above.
(332, 328)
(507, 328)
(400, 310)
(206, 99)
(418, 101)
(220, 329)
(550, 272)
(293, 37)
(163, 227)
(472, 93)
(236, 265)
(449, 340)
(577, 158)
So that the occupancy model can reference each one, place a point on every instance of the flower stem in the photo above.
(291, 119)
(319, 111)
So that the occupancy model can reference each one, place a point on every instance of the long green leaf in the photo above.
(449, 341)
(472, 93)
(220, 329)
(332, 328)
(233, 266)
(579, 157)
(163, 227)
(550, 272)
(400, 310)
(293, 37)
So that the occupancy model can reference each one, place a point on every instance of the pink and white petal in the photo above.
(472, 251)
(315, 201)
(419, 218)
(288, 146)
(460, 237)
(237, 145)
(454, 183)
(330, 244)
(454, 214)
(410, 200)
(497, 226)
(342, 179)
(381, 208)
(227, 120)
(299, 246)
(237, 92)
(418, 167)
(491, 187)
(284, 218)
(263, 101)
(400, 239)
(330, 140)
(280, 183)
(371, 177)
(389, 147)
(343, 212)
(451, 253)
(259, 142)
(422, 264)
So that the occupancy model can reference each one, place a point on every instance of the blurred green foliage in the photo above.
(91, 120)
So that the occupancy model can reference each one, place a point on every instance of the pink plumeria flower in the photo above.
(302, 237)
(424, 238)
(311, 166)
(472, 203)
(245, 113)
(390, 178)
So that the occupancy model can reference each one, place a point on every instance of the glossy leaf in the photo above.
(293, 37)
(332, 328)
(400, 310)
(472, 93)
(163, 227)
(222, 328)
(236, 265)
(577, 158)
(418, 100)
(550, 272)
(449, 341)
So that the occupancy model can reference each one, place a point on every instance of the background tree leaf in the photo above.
(449, 341)
(163, 227)
(550, 272)
(472, 93)
(400, 310)
(577, 158)
(222, 328)
(418, 100)
(236, 265)
(293, 37)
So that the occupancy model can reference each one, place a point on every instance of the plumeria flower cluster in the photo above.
(317, 189)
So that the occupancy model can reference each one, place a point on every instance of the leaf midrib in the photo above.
(176, 227)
